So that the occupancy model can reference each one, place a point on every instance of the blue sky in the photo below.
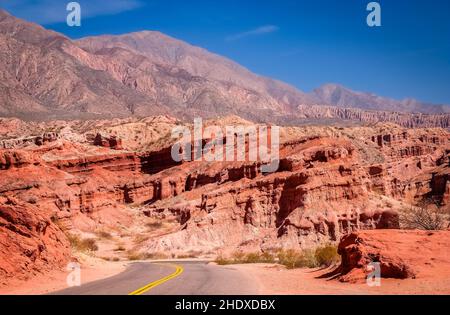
(304, 43)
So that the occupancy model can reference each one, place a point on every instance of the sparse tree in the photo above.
(427, 215)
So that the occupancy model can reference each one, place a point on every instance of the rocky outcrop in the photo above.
(325, 188)
(16, 159)
(328, 185)
(29, 241)
(15, 143)
(108, 142)
(396, 252)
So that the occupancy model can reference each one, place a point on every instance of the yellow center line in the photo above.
(179, 270)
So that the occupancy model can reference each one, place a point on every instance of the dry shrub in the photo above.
(154, 225)
(291, 259)
(120, 248)
(115, 259)
(104, 235)
(83, 245)
(131, 255)
(189, 254)
(141, 238)
(243, 258)
(427, 215)
(326, 255)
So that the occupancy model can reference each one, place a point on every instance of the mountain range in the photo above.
(45, 75)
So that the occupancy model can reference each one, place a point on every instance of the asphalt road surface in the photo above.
(174, 278)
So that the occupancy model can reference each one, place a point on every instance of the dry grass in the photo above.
(322, 256)
(83, 245)
(248, 258)
(292, 259)
(115, 259)
(141, 238)
(133, 256)
(104, 235)
(154, 225)
(189, 254)
(120, 248)
(326, 256)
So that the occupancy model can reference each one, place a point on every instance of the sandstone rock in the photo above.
(112, 142)
(330, 183)
(29, 241)
(16, 159)
(401, 254)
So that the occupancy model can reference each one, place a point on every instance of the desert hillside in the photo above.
(45, 75)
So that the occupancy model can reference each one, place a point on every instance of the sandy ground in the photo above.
(276, 280)
(92, 269)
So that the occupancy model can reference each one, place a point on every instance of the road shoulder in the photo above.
(92, 269)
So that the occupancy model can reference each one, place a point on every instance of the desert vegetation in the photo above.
(104, 235)
(133, 256)
(322, 256)
(82, 245)
(427, 215)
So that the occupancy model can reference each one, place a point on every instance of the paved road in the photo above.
(177, 278)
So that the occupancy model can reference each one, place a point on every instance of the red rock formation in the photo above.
(326, 187)
(401, 254)
(29, 241)
(16, 159)
(108, 142)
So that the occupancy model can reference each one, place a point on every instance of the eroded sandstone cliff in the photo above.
(331, 181)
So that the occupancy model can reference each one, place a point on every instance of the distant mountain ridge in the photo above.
(45, 75)
(338, 95)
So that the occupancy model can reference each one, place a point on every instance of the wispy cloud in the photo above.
(54, 11)
(262, 30)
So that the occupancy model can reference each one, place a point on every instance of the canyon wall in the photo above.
(327, 186)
